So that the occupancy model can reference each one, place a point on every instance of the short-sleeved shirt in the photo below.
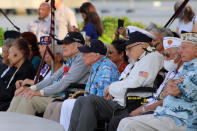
(65, 17)
(90, 31)
(39, 27)
(186, 27)
(102, 74)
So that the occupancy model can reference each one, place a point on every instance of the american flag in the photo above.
(143, 74)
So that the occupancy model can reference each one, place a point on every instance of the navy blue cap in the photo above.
(137, 37)
(72, 37)
(95, 46)
(11, 34)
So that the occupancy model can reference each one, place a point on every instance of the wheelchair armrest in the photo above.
(133, 101)
(78, 93)
(140, 89)
(74, 87)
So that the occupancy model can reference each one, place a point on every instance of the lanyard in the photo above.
(4, 73)
(127, 73)
(12, 78)
(164, 85)
(91, 81)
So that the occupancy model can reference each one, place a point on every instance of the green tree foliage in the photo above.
(1, 37)
(110, 24)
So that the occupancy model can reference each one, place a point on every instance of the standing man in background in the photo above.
(65, 18)
(41, 25)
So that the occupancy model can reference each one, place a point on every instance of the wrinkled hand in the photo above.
(18, 83)
(136, 112)
(27, 82)
(107, 96)
(73, 29)
(19, 90)
(172, 88)
(106, 90)
(173, 91)
(163, 94)
(31, 93)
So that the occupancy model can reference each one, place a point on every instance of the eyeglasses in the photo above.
(127, 49)
(166, 55)
(110, 52)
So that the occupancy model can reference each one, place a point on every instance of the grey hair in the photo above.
(8, 42)
(58, 49)
(164, 32)
(152, 28)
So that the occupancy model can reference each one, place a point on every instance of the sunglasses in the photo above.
(166, 55)
(127, 49)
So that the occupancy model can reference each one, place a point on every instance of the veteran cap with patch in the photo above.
(189, 37)
(138, 35)
(94, 45)
(170, 42)
(72, 37)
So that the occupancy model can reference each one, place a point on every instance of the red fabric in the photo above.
(122, 67)
(66, 69)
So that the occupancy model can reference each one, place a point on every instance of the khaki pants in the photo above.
(149, 123)
(20, 104)
(53, 111)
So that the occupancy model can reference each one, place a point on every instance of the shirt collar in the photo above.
(149, 50)
(45, 20)
(97, 64)
(70, 61)
(194, 61)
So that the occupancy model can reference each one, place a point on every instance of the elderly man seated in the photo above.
(103, 73)
(37, 97)
(172, 63)
(179, 107)
(141, 71)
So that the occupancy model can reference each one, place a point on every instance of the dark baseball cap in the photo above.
(72, 37)
(11, 34)
(95, 46)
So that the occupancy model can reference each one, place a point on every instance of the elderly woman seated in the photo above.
(17, 56)
(46, 70)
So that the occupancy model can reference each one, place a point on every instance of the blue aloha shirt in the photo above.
(102, 74)
(183, 108)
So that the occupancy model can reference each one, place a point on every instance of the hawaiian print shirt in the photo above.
(183, 108)
(102, 74)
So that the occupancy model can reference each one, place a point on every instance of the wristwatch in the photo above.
(143, 109)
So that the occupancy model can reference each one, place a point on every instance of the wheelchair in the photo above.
(132, 101)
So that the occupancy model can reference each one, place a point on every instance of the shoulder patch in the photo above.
(143, 74)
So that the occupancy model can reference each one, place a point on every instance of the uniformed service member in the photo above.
(145, 63)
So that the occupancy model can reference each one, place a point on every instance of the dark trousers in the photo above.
(114, 122)
(4, 106)
(88, 110)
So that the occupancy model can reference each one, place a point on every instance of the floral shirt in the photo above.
(102, 74)
(183, 108)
